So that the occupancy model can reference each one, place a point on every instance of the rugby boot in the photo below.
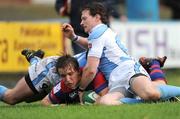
(31, 53)
(39, 53)
(174, 99)
(146, 62)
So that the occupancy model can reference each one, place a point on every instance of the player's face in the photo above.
(88, 21)
(70, 77)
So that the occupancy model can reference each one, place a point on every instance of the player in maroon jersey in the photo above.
(66, 91)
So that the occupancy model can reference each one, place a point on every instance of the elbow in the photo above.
(91, 73)
(45, 102)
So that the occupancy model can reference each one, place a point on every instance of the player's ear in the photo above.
(98, 16)
(80, 71)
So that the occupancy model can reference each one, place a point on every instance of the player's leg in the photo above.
(33, 56)
(127, 100)
(117, 88)
(153, 67)
(146, 62)
(157, 77)
(3, 89)
(145, 89)
(17, 94)
(110, 99)
(155, 72)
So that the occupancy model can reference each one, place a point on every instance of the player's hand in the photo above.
(80, 97)
(68, 31)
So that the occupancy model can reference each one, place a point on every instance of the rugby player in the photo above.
(109, 55)
(66, 91)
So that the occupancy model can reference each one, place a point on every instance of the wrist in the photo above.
(81, 89)
(75, 38)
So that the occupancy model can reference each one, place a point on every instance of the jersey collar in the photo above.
(97, 31)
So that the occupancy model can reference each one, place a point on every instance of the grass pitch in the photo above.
(137, 111)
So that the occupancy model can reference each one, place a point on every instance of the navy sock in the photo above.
(155, 71)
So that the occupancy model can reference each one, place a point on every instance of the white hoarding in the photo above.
(48, 2)
(151, 39)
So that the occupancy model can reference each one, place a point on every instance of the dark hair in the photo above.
(67, 60)
(97, 8)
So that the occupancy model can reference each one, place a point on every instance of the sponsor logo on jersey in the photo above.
(89, 45)
(73, 95)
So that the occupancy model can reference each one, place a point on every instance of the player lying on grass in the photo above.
(143, 61)
(66, 91)
(39, 80)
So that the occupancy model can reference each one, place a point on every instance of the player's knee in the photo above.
(11, 102)
(151, 95)
(10, 98)
(108, 100)
(103, 100)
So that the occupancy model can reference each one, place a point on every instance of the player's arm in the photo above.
(61, 7)
(69, 33)
(100, 88)
(54, 97)
(88, 74)
(46, 101)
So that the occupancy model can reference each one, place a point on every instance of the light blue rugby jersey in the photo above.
(106, 45)
(81, 58)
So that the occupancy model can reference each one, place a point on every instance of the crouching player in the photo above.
(66, 91)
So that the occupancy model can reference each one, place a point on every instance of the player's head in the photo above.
(68, 68)
(93, 14)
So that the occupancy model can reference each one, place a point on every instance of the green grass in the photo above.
(173, 76)
(164, 110)
(137, 111)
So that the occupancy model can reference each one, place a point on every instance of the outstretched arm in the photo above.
(46, 101)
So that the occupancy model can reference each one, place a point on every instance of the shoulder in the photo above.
(98, 32)
(61, 88)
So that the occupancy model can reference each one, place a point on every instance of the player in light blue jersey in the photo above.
(108, 54)
(41, 77)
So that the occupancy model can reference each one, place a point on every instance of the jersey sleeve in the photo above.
(99, 82)
(96, 47)
(56, 95)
